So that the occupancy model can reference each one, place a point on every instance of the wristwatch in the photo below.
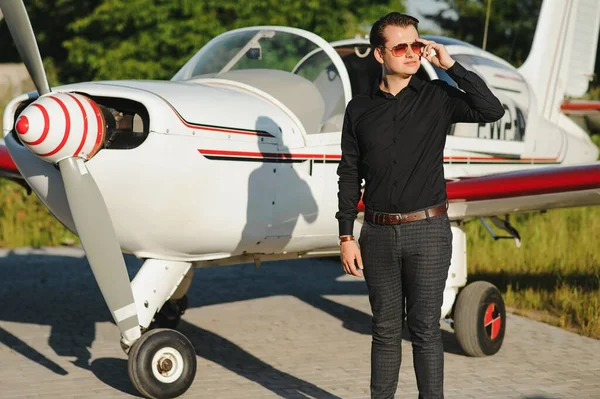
(346, 238)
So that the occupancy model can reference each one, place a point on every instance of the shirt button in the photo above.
(394, 140)
(395, 162)
(395, 183)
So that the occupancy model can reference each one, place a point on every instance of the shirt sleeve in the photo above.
(477, 103)
(349, 178)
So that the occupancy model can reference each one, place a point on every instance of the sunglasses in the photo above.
(400, 49)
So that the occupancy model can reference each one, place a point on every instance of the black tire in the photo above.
(157, 348)
(480, 319)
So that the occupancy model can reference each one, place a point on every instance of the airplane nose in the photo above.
(62, 125)
(32, 125)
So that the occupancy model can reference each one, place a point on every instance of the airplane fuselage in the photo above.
(205, 184)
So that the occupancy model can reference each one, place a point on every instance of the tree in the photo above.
(50, 21)
(152, 39)
(511, 26)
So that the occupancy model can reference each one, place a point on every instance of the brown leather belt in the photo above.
(398, 218)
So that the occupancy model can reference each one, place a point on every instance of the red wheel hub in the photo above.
(492, 321)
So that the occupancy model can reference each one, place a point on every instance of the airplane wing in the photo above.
(522, 191)
(7, 166)
(528, 190)
(585, 113)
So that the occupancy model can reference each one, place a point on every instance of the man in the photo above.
(394, 138)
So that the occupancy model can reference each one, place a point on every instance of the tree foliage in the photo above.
(152, 39)
(511, 26)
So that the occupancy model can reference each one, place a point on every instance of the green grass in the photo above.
(25, 221)
(554, 276)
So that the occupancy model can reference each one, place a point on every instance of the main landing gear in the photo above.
(478, 313)
(480, 319)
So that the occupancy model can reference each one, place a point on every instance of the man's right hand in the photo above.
(350, 253)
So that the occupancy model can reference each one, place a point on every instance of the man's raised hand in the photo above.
(441, 59)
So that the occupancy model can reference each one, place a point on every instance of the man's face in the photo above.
(409, 63)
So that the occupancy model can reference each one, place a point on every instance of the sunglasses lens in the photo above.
(417, 47)
(399, 50)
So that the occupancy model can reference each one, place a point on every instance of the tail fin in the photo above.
(561, 61)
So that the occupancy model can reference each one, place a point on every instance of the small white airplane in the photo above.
(234, 160)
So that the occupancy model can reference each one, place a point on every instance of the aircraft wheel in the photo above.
(162, 364)
(480, 319)
(170, 314)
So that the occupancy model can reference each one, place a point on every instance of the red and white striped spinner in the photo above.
(62, 125)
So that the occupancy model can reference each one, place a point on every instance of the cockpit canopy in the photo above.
(296, 67)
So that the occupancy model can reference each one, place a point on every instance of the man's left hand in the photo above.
(441, 59)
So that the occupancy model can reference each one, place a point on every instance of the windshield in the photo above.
(288, 66)
(252, 49)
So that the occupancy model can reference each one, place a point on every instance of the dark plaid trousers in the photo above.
(405, 267)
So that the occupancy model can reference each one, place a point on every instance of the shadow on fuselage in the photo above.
(277, 196)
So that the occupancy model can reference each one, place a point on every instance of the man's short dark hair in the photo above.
(394, 18)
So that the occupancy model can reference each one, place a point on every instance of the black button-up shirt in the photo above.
(396, 143)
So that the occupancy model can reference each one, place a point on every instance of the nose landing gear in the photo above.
(170, 314)
(162, 364)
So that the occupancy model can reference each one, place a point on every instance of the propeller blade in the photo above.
(21, 31)
(99, 240)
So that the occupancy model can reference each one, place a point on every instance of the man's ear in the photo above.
(378, 54)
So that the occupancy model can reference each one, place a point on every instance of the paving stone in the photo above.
(295, 329)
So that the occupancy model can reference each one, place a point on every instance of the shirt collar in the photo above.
(415, 84)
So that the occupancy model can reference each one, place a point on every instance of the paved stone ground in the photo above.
(296, 329)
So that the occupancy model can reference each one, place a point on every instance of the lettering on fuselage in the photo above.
(502, 129)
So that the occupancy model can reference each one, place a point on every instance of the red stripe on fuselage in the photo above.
(259, 155)
(499, 159)
(234, 154)
(222, 130)
(217, 129)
